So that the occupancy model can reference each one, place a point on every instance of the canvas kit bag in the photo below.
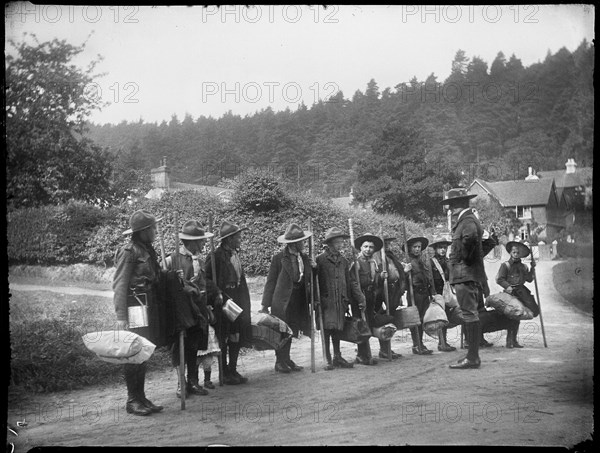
(268, 332)
(406, 317)
(119, 346)
(356, 330)
(435, 317)
(450, 299)
(509, 306)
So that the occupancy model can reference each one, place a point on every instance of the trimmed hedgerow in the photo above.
(82, 234)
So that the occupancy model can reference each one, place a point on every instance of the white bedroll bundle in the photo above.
(119, 346)
(268, 331)
(435, 317)
(509, 306)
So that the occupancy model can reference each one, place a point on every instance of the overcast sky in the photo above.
(162, 61)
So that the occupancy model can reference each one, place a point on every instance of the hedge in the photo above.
(79, 233)
(575, 250)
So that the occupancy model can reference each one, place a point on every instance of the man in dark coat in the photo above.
(189, 266)
(467, 271)
(287, 291)
(396, 289)
(231, 280)
(337, 289)
(423, 288)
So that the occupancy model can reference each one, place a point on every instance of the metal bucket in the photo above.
(231, 310)
(137, 316)
(406, 317)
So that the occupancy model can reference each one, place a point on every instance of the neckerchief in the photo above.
(372, 264)
(195, 259)
(235, 261)
(514, 260)
(300, 263)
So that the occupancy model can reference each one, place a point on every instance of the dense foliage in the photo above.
(491, 121)
(79, 233)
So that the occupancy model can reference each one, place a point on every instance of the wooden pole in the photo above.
(312, 302)
(537, 293)
(411, 297)
(386, 292)
(356, 270)
(213, 266)
(181, 332)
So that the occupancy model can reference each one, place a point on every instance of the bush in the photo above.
(575, 250)
(258, 191)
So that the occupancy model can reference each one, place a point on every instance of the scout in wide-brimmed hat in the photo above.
(293, 233)
(192, 231)
(424, 242)
(333, 233)
(140, 220)
(524, 251)
(458, 194)
(440, 241)
(229, 229)
(376, 240)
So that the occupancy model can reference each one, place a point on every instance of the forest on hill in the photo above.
(502, 116)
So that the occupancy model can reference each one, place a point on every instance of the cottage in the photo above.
(532, 200)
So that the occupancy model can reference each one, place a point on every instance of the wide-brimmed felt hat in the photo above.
(333, 233)
(459, 193)
(293, 233)
(523, 249)
(140, 220)
(229, 229)
(192, 231)
(440, 241)
(411, 240)
(376, 240)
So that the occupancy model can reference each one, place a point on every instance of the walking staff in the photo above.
(312, 303)
(317, 302)
(386, 293)
(411, 296)
(537, 294)
(214, 276)
(182, 331)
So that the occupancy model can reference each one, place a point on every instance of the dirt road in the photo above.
(532, 396)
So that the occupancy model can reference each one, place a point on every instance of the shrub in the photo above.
(258, 191)
(574, 250)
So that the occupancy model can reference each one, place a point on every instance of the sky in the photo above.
(160, 61)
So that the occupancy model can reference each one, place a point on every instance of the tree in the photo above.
(396, 177)
(48, 100)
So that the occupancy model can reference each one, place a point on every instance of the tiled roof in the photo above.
(518, 193)
(209, 189)
(581, 177)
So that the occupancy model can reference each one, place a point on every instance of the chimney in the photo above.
(570, 165)
(531, 176)
(160, 175)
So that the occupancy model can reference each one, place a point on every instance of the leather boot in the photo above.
(194, 387)
(443, 345)
(280, 365)
(207, 382)
(141, 382)
(472, 359)
(515, 331)
(234, 353)
(288, 361)
(134, 405)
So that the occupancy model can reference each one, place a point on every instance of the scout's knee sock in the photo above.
(336, 345)
(130, 372)
(364, 350)
(234, 352)
(383, 346)
(207, 375)
(473, 338)
(192, 368)
(328, 335)
(141, 380)
(414, 334)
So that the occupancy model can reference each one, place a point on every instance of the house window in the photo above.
(524, 212)
(523, 233)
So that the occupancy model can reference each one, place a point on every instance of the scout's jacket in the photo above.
(240, 295)
(138, 271)
(466, 255)
(279, 286)
(336, 287)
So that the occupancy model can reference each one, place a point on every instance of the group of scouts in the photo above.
(342, 290)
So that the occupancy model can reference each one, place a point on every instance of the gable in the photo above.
(519, 193)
